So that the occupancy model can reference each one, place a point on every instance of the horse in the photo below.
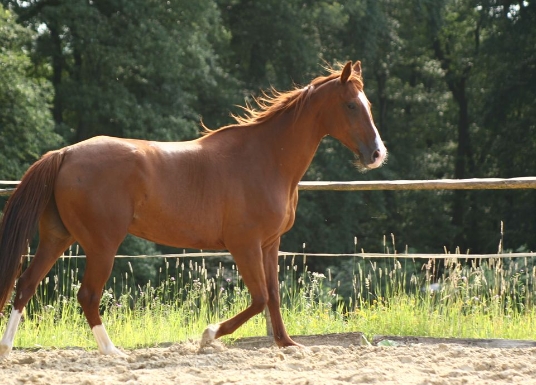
(233, 188)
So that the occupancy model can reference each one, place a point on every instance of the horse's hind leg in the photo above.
(99, 223)
(53, 241)
(98, 268)
(99, 263)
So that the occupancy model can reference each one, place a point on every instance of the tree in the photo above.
(280, 43)
(451, 82)
(26, 125)
(507, 91)
(409, 98)
(130, 69)
(455, 29)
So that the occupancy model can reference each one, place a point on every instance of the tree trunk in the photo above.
(57, 68)
(463, 161)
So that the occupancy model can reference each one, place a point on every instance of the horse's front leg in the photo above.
(258, 269)
(270, 259)
(249, 263)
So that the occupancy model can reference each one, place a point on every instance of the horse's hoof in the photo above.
(289, 343)
(209, 335)
(4, 351)
(113, 351)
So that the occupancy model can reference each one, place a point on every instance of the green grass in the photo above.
(473, 299)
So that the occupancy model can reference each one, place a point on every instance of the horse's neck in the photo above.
(293, 141)
(285, 144)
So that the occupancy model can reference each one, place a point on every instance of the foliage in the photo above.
(452, 85)
(134, 69)
(26, 125)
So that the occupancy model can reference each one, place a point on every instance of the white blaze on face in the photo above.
(363, 99)
(379, 144)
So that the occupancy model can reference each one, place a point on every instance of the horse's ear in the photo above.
(357, 67)
(346, 72)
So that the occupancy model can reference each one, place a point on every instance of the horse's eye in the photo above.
(351, 106)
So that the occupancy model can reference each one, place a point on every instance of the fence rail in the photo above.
(204, 254)
(438, 184)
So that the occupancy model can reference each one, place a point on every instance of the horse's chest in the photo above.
(286, 214)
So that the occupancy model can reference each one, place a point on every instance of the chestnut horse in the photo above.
(234, 188)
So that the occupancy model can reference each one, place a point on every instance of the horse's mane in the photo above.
(275, 102)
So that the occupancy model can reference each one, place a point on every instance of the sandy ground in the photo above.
(338, 362)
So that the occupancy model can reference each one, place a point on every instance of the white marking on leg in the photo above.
(209, 334)
(7, 340)
(105, 344)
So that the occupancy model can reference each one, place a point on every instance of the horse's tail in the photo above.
(21, 214)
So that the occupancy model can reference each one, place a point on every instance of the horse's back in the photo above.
(110, 164)
(155, 190)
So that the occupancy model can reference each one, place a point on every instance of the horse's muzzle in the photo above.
(377, 158)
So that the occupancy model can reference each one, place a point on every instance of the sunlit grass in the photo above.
(467, 298)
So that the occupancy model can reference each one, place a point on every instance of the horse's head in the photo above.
(348, 118)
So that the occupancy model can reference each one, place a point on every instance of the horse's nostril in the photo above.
(376, 155)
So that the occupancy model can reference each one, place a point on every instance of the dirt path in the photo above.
(336, 363)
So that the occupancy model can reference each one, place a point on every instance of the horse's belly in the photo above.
(177, 231)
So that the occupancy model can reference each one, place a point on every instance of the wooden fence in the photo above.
(441, 184)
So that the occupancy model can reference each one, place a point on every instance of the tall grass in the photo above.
(455, 297)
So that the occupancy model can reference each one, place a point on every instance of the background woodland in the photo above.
(452, 83)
